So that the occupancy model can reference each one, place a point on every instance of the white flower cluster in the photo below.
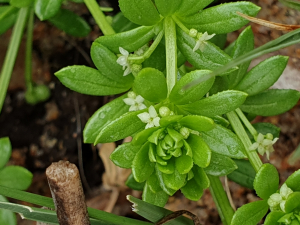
(151, 118)
(201, 39)
(123, 61)
(278, 200)
(135, 101)
(264, 144)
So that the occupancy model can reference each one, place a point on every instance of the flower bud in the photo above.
(185, 132)
(131, 94)
(164, 111)
(269, 136)
(136, 68)
(193, 32)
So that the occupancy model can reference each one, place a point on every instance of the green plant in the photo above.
(189, 123)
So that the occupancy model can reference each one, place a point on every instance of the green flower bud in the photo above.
(136, 68)
(269, 136)
(131, 94)
(185, 132)
(193, 32)
(164, 111)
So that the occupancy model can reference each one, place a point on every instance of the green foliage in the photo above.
(9, 19)
(45, 9)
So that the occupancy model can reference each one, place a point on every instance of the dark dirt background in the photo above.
(51, 131)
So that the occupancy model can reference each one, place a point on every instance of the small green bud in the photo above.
(269, 136)
(199, 35)
(136, 68)
(193, 32)
(131, 94)
(164, 111)
(185, 132)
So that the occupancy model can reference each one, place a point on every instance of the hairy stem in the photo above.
(220, 198)
(241, 133)
(171, 52)
(99, 17)
(11, 54)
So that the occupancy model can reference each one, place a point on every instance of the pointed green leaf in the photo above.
(7, 217)
(292, 202)
(189, 7)
(183, 164)
(192, 190)
(273, 217)
(5, 151)
(124, 126)
(141, 137)
(155, 136)
(70, 23)
(162, 183)
(15, 177)
(142, 12)
(197, 123)
(224, 142)
(124, 154)
(133, 184)
(179, 96)
(222, 18)
(150, 79)
(86, 80)
(266, 181)
(142, 168)
(200, 177)
(201, 152)
(167, 7)
(45, 9)
(102, 117)
(153, 183)
(271, 102)
(216, 105)
(220, 165)
(158, 198)
(263, 76)
(293, 181)
(250, 214)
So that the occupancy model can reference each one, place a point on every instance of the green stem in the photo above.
(241, 133)
(99, 17)
(11, 54)
(246, 122)
(171, 52)
(221, 200)
(28, 56)
(181, 25)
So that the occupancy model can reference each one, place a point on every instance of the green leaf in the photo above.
(265, 128)
(142, 168)
(120, 23)
(216, 105)
(5, 151)
(70, 23)
(189, 7)
(224, 142)
(149, 79)
(162, 183)
(86, 80)
(167, 7)
(102, 117)
(221, 19)
(159, 198)
(153, 183)
(15, 177)
(292, 202)
(169, 168)
(266, 181)
(200, 177)
(293, 181)
(192, 190)
(250, 214)
(20, 4)
(8, 20)
(183, 164)
(165, 121)
(106, 63)
(154, 213)
(263, 76)
(124, 126)
(273, 217)
(45, 9)
(242, 45)
(175, 180)
(201, 152)
(141, 137)
(244, 175)
(220, 165)
(124, 154)
(197, 123)
(271, 102)
(157, 59)
(219, 40)
(212, 57)
(133, 184)
(7, 217)
(130, 40)
(179, 96)
(142, 12)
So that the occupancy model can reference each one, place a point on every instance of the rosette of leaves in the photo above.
(12, 177)
(284, 203)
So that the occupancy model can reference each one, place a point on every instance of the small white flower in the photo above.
(264, 144)
(202, 38)
(278, 200)
(123, 61)
(135, 102)
(151, 118)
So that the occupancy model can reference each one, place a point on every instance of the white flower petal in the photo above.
(261, 150)
(149, 125)
(282, 205)
(254, 146)
(156, 121)
(274, 141)
(144, 117)
(127, 71)
(129, 101)
(266, 142)
(139, 99)
(123, 51)
(260, 138)
(152, 112)
(141, 106)
(122, 60)
(285, 191)
(197, 46)
(133, 108)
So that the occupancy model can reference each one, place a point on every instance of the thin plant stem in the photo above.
(221, 200)
(181, 25)
(171, 52)
(241, 133)
(28, 55)
(11, 54)
(99, 17)
(246, 122)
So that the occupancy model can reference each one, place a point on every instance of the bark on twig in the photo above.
(67, 193)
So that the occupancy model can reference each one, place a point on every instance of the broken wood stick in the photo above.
(67, 193)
